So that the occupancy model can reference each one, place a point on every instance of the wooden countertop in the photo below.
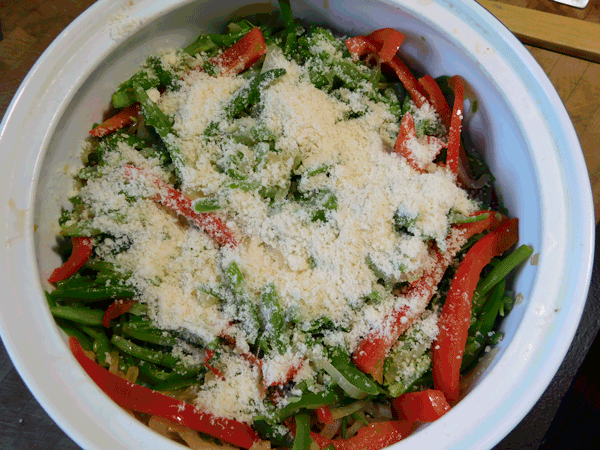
(29, 26)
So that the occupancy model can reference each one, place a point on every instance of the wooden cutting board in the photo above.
(565, 34)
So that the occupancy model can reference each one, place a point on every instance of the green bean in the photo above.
(344, 427)
(164, 380)
(160, 121)
(144, 331)
(51, 300)
(152, 113)
(341, 361)
(459, 218)
(153, 373)
(273, 434)
(274, 318)
(138, 309)
(124, 95)
(173, 385)
(302, 440)
(79, 229)
(82, 315)
(245, 97)
(290, 26)
(500, 272)
(165, 76)
(77, 334)
(153, 356)
(246, 307)
(93, 293)
(483, 325)
(360, 416)
(310, 400)
(206, 204)
(101, 345)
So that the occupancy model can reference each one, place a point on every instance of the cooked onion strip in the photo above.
(344, 411)
(342, 382)
(331, 429)
(195, 442)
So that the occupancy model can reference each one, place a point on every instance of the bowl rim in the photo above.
(88, 24)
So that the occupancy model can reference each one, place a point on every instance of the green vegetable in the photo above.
(245, 304)
(144, 331)
(500, 272)
(153, 356)
(274, 318)
(247, 96)
(79, 314)
(302, 440)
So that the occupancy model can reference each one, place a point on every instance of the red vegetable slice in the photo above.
(406, 135)
(455, 319)
(213, 369)
(117, 309)
(423, 406)
(82, 250)
(173, 199)
(371, 437)
(241, 55)
(324, 415)
(372, 350)
(390, 41)
(362, 45)
(437, 99)
(138, 398)
(120, 120)
(457, 86)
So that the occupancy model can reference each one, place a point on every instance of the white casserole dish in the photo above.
(521, 127)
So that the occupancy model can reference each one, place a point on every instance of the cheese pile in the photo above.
(321, 268)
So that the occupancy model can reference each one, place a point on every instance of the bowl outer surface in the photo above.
(521, 126)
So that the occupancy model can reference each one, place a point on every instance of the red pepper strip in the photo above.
(289, 376)
(120, 120)
(324, 415)
(241, 55)
(173, 199)
(214, 370)
(117, 309)
(423, 406)
(371, 437)
(455, 318)
(363, 45)
(371, 351)
(406, 135)
(138, 398)
(457, 86)
(82, 250)
(437, 99)
(390, 41)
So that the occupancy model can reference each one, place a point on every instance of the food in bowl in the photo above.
(266, 242)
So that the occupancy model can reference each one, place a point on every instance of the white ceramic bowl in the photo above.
(521, 127)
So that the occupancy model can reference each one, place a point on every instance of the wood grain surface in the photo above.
(29, 26)
(550, 31)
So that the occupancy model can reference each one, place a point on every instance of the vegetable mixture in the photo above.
(279, 239)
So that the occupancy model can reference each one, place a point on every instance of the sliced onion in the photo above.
(132, 374)
(261, 445)
(338, 413)
(342, 382)
(331, 429)
(162, 426)
(354, 428)
(195, 442)
(385, 411)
